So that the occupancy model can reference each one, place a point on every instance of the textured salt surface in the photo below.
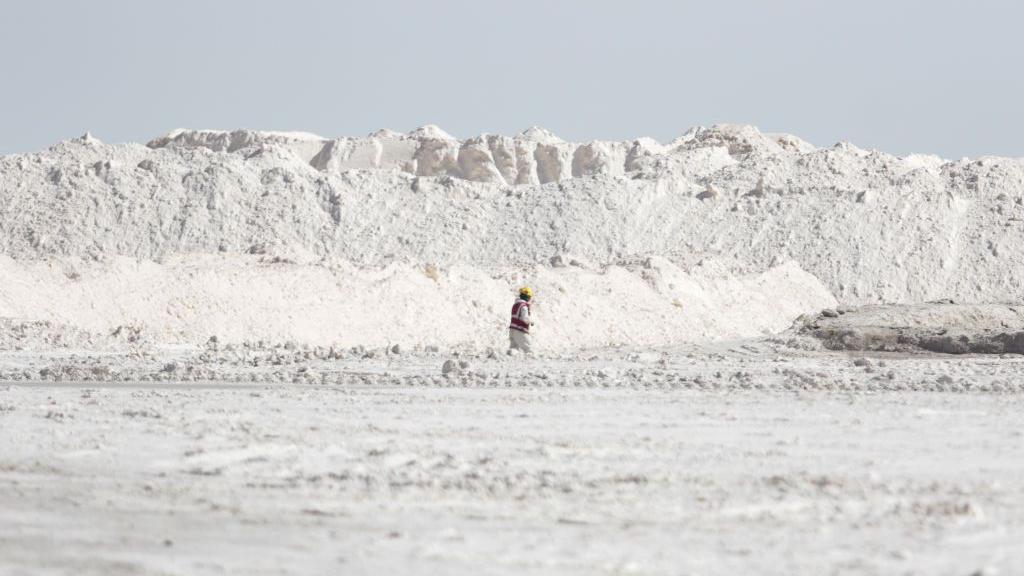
(189, 299)
(937, 327)
(519, 480)
(278, 353)
(485, 214)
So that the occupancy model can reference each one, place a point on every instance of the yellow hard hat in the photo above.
(525, 291)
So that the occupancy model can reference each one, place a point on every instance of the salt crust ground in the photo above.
(750, 456)
(733, 458)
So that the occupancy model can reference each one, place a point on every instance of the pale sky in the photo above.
(934, 76)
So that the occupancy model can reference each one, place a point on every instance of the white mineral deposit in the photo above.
(279, 353)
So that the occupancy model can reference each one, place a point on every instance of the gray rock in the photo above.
(708, 193)
(450, 367)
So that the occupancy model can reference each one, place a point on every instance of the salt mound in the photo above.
(430, 132)
(534, 156)
(935, 327)
(870, 226)
(190, 298)
(305, 145)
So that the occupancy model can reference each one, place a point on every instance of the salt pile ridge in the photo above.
(535, 156)
(723, 232)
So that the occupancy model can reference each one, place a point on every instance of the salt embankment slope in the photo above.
(189, 299)
(457, 222)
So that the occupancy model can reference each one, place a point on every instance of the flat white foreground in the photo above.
(298, 479)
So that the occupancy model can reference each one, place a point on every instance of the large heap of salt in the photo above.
(683, 235)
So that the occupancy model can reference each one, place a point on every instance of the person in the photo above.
(519, 329)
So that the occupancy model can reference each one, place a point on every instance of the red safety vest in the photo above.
(518, 324)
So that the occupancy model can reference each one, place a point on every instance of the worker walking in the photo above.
(519, 329)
